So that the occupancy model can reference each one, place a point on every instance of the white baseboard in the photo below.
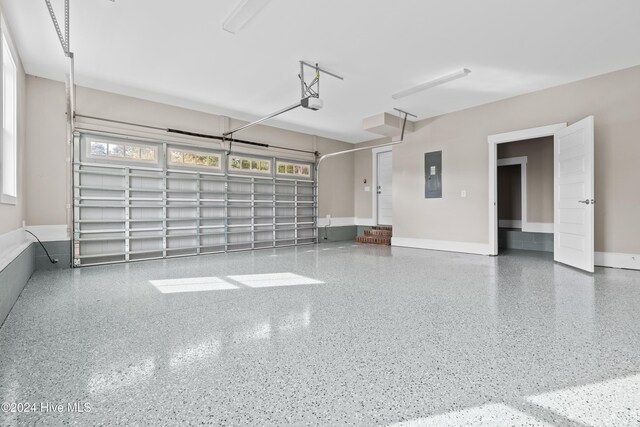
(617, 260)
(11, 245)
(49, 233)
(538, 227)
(336, 221)
(365, 222)
(509, 223)
(602, 259)
(442, 245)
(527, 227)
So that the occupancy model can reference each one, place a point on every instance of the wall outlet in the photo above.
(329, 217)
(367, 189)
(463, 193)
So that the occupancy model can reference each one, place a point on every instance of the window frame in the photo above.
(184, 150)
(258, 172)
(294, 165)
(6, 43)
(89, 140)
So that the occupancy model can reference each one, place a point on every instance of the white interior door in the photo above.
(384, 168)
(574, 198)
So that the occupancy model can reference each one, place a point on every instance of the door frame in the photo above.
(374, 179)
(493, 141)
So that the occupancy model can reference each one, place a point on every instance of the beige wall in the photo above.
(46, 179)
(46, 149)
(462, 136)
(539, 153)
(11, 216)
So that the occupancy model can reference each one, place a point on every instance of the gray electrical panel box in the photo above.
(433, 175)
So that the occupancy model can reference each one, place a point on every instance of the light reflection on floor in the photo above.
(490, 415)
(273, 280)
(200, 284)
(195, 354)
(193, 284)
(611, 402)
(111, 380)
(614, 402)
(296, 320)
(259, 331)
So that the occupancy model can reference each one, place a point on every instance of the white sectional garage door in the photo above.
(136, 199)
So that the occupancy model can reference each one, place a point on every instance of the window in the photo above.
(294, 169)
(112, 150)
(194, 158)
(245, 164)
(9, 152)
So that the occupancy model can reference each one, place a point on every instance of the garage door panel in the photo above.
(185, 203)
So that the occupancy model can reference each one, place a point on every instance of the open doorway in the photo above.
(525, 195)
(573, 189)
(495, 141)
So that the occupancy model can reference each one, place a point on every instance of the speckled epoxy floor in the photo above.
(390, 335)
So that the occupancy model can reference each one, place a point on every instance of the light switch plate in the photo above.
(463, 193)
(367, 189)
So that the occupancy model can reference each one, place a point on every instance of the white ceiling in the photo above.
(176, 52)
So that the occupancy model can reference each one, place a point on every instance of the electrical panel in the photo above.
(433, 175)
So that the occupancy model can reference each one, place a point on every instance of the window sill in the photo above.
(8, 200)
